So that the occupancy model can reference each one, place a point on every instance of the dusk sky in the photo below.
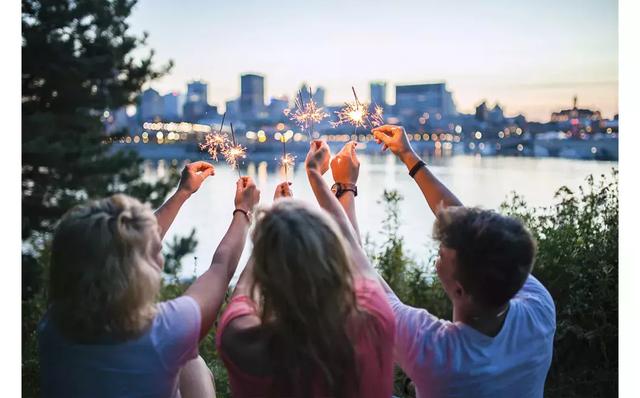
(530, 56)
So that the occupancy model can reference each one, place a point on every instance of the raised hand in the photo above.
(345, 166)
(283, 190)
(247, 194)
(193, 175)
(318, 157)
(394, 138)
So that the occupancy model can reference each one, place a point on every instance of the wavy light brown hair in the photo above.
(102, 280)
(303, 278)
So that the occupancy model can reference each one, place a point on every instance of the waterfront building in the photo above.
(251, 95)
(150, 105)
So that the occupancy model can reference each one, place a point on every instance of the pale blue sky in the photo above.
(531, 56)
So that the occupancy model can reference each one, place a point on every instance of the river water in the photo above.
(477, 181)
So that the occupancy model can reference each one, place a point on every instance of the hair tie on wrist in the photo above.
(417, 167)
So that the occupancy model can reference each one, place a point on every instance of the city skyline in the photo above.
(482, 51)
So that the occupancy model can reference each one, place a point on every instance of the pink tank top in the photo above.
(374, 355)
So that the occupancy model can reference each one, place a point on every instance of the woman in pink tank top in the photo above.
(308, 317)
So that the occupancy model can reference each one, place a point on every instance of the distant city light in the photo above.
(594, 149)
(478, 135)
(520, 147)
(458, 129)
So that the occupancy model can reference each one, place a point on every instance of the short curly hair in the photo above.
(101, 280)
(494, 253)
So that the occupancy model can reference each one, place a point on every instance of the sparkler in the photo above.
(305, 115)
(215, 142)
(286, 159)
(232, 152)
(357, 114)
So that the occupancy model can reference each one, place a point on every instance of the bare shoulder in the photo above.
(244, 343)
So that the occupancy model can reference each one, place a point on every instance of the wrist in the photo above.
(241, 213)
(182, 194)
(409, 158)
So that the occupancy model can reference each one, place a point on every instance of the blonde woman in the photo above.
(104, 335)
(308, 317)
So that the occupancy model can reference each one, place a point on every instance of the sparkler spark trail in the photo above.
(215, 142)
(357, 114)
(287, 159)
(306, 115)
(234, 151)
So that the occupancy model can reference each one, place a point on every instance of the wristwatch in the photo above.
(340, 188)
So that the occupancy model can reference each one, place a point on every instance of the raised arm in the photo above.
(210, 288)
(317, 164)
(436, 193)
(345, 168)
(192, 177)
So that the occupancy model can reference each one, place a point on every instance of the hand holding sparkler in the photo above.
(345, 166)
(393, 138)
(193, 175)
(247, 194)
(318, 157)
(283, 190)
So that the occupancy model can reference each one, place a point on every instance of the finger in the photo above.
(382, 136)
(384, 128)
(384, 148)
(199, 166)
(249, 182)
(209, 172)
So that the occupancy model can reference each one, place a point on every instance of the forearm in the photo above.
(228, 253)
(210, 288)
(169, 209)
(348, 203)
(435, 192)
(327, 200)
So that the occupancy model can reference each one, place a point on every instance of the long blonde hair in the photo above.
(102, 280)
(303, 278)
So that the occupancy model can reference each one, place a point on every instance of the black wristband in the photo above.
(417, 167)
(246, 213)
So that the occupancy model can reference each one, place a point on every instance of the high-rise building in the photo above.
(318, 96)
(251, 95)
(413, 101)
(378, 92)
(232, 107)
(150, 105)
(196, 105)
(170, 107)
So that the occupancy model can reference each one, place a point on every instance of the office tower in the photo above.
(251, 95)
(150, 105)
(196, 105)
(170, 106)
(378, 92)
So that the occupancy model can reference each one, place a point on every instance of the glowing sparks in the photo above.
(234, 151)
(357, 114)
(305, 115)
(215, 143)
(376, 117)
